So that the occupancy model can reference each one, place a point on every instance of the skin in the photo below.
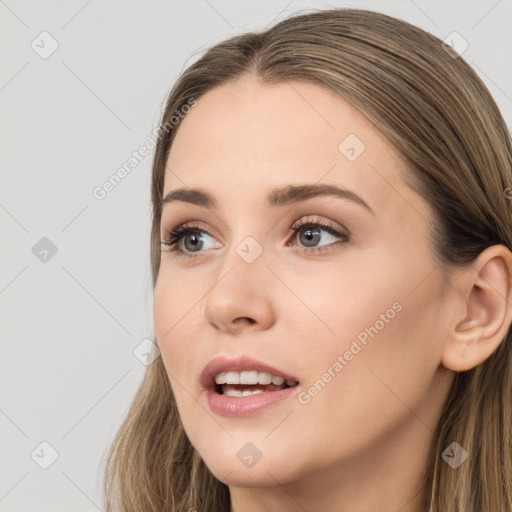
(362, 442)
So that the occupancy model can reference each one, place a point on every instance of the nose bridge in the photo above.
(245, 247)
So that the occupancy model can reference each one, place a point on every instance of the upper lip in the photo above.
(238, 364)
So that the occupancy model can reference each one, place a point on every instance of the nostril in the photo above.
(245, 319)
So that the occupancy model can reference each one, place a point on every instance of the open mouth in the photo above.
(247, 383)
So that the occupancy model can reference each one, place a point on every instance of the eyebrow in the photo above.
(290, 194)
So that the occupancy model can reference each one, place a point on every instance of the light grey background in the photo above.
(69, 325)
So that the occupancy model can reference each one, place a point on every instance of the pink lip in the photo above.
(247, 405)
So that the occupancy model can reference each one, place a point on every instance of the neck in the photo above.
(388, 477)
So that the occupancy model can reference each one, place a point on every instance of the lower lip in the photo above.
(233, 406)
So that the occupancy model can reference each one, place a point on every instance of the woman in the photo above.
(332, 281)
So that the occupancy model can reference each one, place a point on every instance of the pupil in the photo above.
(195, 240)
(310, 235)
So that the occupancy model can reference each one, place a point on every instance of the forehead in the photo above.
(250, 137)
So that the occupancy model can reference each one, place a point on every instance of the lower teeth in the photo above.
(235, 392)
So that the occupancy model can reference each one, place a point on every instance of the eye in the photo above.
(191, 237)
(309, 234)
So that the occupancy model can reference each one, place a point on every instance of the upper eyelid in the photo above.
(324, 224)
(301, 221)
(184, 228)
(190, 226)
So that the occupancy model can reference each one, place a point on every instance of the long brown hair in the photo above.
(442, 119)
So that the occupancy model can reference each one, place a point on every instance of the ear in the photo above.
(484, 295)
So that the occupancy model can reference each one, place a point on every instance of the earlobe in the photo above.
(486, 292)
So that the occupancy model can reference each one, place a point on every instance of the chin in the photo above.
(265, 472)
(263, 476)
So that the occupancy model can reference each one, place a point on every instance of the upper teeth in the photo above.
(250, 377)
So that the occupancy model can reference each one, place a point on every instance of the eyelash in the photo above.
(173, 237)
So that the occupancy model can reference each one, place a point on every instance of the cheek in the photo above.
(380, 345)
(174, 312)
(174, 298)
(175, 320)
(336, 300)
(164, 311)
(388, 364)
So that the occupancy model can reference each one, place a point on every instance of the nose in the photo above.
(240, 299)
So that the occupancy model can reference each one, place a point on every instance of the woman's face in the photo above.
(351, 305)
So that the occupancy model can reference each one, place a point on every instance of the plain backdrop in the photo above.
(82, 85)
